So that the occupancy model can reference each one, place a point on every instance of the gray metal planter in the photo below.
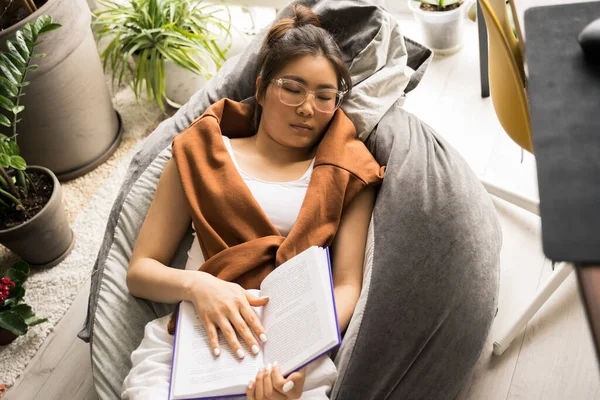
(69, 124)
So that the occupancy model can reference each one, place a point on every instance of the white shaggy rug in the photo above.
(88, 201)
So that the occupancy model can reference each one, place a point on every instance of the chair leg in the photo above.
(483, 54)
(518, 200)
(561, 273)
(558, 276)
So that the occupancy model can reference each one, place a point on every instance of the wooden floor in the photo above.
(553, 359)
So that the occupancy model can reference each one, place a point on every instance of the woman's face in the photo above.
(298, 126)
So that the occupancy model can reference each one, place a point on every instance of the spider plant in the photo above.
(440, 4)
(145, 33)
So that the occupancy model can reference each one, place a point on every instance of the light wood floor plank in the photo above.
(72, 377)
(557, 358)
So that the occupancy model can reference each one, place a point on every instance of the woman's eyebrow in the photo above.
(303, 81)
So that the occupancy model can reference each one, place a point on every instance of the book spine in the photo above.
(174, 347)
(333, 296)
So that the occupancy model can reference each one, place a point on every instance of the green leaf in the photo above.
(8, 74)
(13, 322)
(26, 37)
(15, 53)
(17, 162)
(21, 266)
(23, 310)
(17, 109)
(5, 103)
(49, 28)
(35, 321)
(27, 314)
(4, 160)
(7, 88)
(13, 68)
(38, 25)
(12, 148)
(5, 121)
(13, 274)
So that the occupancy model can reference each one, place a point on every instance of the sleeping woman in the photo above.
(259, 185)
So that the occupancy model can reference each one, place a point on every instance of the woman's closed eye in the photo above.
(326, 97)
(295, 91)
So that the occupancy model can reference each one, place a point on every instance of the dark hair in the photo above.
(295, 37)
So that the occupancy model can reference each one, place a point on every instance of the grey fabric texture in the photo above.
(431, 271)
(435, 272)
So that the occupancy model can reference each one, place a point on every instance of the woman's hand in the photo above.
(227, 305)
(270, 384)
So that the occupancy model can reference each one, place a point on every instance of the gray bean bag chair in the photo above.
(432, 259)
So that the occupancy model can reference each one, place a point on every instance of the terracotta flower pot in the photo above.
(46, 239)
(6, 337)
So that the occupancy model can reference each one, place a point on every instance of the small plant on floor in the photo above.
(15, 316)
(19, 195)
(439, 5)
(152, 31)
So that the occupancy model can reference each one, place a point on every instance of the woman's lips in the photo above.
(301, 128)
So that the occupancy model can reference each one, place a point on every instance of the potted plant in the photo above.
(69, 123)
(167, 47)
(33, 223)
(15, 315)
(441, 22)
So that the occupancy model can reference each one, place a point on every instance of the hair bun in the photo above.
(301, 16)
(304, 16)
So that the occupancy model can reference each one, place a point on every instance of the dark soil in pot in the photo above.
(37, 198)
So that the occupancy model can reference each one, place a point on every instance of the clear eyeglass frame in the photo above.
(338, 93)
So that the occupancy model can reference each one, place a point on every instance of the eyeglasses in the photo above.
(292, 93)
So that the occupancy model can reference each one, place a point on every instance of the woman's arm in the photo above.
(166, 223)
(219, 304)
(348, 253)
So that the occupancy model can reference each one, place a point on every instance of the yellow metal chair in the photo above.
(508, 91)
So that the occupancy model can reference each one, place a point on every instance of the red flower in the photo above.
(6, 282)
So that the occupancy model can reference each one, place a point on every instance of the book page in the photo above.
(300, 316)
(197, 372)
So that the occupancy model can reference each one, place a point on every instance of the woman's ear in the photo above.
(258, 82)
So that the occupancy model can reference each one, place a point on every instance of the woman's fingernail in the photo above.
(289, 385)
(217, 351)
(268, 368)
(250, 384)
(240, 353)
(263, 337)
(255, 349)
(264, 297)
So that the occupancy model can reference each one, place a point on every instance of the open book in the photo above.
(300, 321)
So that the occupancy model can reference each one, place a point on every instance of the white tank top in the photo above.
(281, 202)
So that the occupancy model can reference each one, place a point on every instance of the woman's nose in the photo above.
(307, 107)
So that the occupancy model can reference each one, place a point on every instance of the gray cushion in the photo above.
(432, 254)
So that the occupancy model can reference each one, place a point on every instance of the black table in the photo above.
(564, 99)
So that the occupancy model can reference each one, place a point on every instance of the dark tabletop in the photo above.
(564, 98)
